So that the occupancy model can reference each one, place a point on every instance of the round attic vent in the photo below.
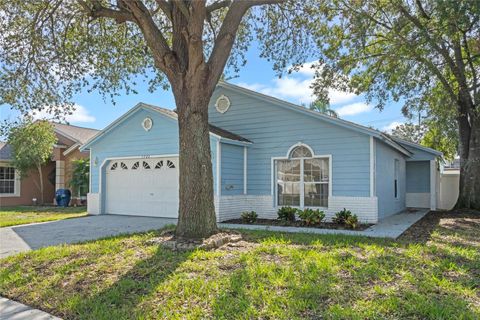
(147, 124)
(222, 104)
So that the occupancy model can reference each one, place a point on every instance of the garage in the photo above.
(142, 186)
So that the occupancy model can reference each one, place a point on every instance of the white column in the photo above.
(59, 174)
(219, 163)
(372, 167)
(245, 168)
(433, 185)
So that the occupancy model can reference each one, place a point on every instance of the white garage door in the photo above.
(143, 187)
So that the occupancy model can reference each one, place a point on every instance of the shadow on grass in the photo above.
(121, 300)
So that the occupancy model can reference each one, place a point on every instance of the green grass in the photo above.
(13, 216)
(269, 276)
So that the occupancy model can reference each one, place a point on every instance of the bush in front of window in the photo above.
(249, 216)
(352, 221)
(287, 214)
(311, 216)
(342, 216)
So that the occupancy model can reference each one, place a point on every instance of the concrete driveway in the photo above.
(38, 235)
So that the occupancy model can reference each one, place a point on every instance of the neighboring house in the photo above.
(266, 153)
(57, 172)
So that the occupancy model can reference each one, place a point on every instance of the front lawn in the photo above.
(13, 216)
(269, 276)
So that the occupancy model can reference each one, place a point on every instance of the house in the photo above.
(266, 153)
(15, 190)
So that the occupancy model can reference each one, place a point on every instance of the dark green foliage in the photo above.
(287, 213)
(80, 177)
(249, 216)
(311, 216)
(342, 216)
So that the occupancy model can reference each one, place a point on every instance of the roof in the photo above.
(75, 133)
(219, 132)
(5, 151)
(417, 146)
(343, 123)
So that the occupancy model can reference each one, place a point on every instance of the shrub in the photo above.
(342, 216)
(287, 213)
(249, 216)
(310, 216)
(352, 221)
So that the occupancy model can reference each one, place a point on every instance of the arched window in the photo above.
(300, 152)
(302, 180)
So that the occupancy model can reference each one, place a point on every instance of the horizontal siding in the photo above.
(418, 176)
(130, 139)
(418, 154)
(231, 169)
(273, 130)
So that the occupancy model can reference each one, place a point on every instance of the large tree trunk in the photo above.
(197, 217)
(469, 195)
(40, 178)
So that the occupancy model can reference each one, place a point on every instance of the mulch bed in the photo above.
(275, 222)
(423, 228)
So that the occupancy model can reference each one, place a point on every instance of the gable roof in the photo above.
(215, 131)
(336, 121)
(74, 133)
(417, 146)
(5, 151)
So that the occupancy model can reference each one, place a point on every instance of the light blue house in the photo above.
(266, 153)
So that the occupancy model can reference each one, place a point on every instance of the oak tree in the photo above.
(53, 49)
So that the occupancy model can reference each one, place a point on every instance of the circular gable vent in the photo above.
(147, 124)
(222, 104)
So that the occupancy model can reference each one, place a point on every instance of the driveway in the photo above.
(38, 235)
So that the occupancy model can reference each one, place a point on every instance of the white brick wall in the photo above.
(230, 207)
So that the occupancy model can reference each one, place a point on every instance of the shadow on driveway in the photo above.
(38, 235)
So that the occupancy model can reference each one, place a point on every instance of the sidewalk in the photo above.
(390, 227)
(11, 310)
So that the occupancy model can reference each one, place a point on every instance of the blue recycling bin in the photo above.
(62, 196)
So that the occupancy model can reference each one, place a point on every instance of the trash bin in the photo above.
(62, 196)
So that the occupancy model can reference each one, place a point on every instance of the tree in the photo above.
(80, 176)
(52, 49)
(415, 50)
(32, 146)
(409, 132)
(323, 107)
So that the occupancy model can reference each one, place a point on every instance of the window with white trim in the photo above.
(302, 180)
(7, 180)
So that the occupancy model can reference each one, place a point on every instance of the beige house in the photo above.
(15, 190)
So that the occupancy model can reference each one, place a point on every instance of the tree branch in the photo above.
(98, 11)
(218, 5)
(166, 7)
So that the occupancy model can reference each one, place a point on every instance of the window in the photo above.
(159, 164)
(114, 166)
(170, 164)
(7, 180)
(146, 165)
(395, 181)
(135, 165)
(123, 166)
(302, 180)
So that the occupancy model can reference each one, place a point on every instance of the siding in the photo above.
(385, 176)
(418, 154)
(274, 129)
(232, 169)
(129, 139)
(418, 176)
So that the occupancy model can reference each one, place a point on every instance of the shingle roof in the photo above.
(78, 134)
(5, 151)
(213, 129)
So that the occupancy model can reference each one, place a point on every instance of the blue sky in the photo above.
(258, 75)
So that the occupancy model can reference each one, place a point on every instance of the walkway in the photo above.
(390, 227)
(11, 310)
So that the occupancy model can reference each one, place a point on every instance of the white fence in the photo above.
(448, 189)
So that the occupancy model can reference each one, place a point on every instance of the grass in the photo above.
(13, 216)
(269, 276)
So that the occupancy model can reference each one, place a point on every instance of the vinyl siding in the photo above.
(130, 139)
(385, 176)
(274, 129)
(418, 176)
(232, 169)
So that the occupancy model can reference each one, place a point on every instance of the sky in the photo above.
(92, 111)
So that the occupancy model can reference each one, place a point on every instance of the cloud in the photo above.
(296, 90)
(353, 109)
(79, 115)
(391, 126)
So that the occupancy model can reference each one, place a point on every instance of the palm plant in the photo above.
(322, 107)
